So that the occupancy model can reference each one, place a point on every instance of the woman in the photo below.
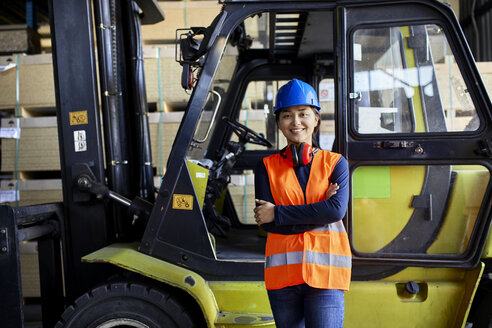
(302, 195)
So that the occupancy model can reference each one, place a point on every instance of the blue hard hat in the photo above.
(296, 92)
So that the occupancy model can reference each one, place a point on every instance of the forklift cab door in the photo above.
(414, 120)
(416, 116)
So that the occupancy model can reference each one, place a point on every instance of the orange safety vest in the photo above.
(320, 258)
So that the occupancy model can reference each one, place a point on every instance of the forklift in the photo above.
(401, 99)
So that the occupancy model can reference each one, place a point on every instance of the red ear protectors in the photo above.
(299, 157)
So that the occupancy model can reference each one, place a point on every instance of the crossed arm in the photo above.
(292, 219)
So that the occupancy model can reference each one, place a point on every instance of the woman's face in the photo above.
(297, 123)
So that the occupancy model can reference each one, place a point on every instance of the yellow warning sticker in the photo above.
(79, 117)
(182, 202)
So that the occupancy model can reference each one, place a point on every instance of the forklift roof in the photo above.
(299, 34)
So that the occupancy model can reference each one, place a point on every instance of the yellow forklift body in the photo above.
(222, 302)
(448, 290)
(245, 304)
(199, 176)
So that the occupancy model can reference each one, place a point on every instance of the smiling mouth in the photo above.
(296, 130)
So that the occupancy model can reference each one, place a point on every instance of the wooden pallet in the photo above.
(38, 143)
(36, 83)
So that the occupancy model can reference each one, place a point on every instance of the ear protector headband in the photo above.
(300, 157)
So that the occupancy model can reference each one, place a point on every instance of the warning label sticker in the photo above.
(182, 202)
(79, 117)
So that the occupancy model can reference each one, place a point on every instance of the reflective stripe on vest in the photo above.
(335, 227)
(321, 257)
(342, 261)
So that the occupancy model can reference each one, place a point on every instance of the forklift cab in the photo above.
(401, 100)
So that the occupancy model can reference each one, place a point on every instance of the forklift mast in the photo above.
(92, 224)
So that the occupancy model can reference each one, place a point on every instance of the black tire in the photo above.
(125, 305)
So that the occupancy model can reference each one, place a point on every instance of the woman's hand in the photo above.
(264, 212)
(332, 190)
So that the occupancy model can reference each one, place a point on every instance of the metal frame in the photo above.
(76, 90)
(91, 224)
(17, 224)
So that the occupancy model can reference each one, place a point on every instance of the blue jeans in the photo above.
(304, 306)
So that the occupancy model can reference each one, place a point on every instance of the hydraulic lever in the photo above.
(139, 207)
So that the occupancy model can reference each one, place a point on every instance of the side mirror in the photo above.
(194, 43)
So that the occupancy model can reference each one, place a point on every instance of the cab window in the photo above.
(406, 81)
(257, 111)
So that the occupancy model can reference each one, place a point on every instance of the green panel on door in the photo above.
(371, 182)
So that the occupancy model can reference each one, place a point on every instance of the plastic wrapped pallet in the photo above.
(35, 80)
(30, 192)
(37, 149)
(242, 190)
(36, 94)
(38, 145)
(180, 14)
(163, 76)
(161, 142)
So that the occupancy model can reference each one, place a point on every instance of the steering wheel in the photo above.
(243, 131)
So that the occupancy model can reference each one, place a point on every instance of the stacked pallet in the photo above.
(34, 77)
(38, 147)
(19, 38)
(242, 192)
(27, 91)
(33, 191)
(163, 78)
(36, 91)
(178, 14)
(29, 264)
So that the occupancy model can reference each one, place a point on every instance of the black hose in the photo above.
(112, 77)
(144, 153)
